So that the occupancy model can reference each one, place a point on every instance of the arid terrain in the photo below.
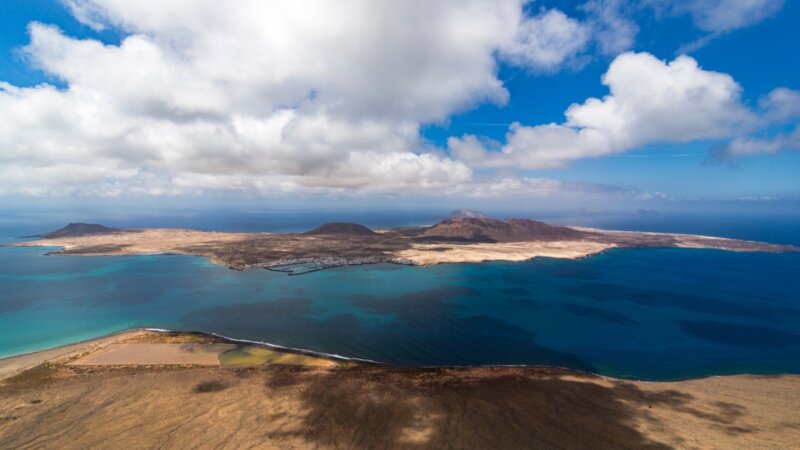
(66, 401)
(337, 244)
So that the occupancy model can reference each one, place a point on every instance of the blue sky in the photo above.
(363, 102)
(760, 57)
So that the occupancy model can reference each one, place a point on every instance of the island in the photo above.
(465, 238)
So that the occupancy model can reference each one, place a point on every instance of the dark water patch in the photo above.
(524, 302)
(597, 313)
(135, 289)
(287, 321)
(415, 306)
(574, 270)
(15, 300)
(514, 343)
(740, 335)
(426, 332)
(282, 307)
(249, 319)
(515, 291)
(471, 340)
(689, 302)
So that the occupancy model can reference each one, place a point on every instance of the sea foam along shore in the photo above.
(12, 365)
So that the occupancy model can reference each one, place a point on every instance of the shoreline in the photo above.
(16, 364)
(456, 242)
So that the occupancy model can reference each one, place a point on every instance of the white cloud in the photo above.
(613, 28)
(330, 96)
(728, 15)
(528, 187)
(749, 146)
(779, 108)
(546, 41)
(715, 17)
(781, 105)
(650, 101)
(265, 97)
(251, 96)
(719, 16)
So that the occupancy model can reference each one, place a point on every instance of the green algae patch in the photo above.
(257, 356)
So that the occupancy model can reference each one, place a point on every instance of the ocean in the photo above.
(657, 314)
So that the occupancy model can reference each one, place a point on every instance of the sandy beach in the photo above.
(16, 364)
(143, 389)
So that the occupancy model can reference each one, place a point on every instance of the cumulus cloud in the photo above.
(266, 97)
(780, 108)
(650, 101)
(546, 41)
(258, 96)
(781, 105)
(330, 96)
(749, 146)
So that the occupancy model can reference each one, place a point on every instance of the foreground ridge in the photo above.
(202, 391)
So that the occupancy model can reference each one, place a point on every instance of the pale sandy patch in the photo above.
(15, 364)
(508, 251)
(743, 411)
(141, 241)
(155, 354)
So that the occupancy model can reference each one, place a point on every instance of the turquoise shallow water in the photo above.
(650, 313)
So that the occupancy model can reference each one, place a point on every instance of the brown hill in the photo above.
(352, 229)
(80, 229)
(492, 230)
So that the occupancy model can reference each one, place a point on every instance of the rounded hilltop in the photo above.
(493, 230)
(342, 228)
(79, 229)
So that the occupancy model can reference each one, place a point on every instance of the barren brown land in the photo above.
(260, 403)
(451, 241)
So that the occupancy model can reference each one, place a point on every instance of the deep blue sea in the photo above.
(644, 313)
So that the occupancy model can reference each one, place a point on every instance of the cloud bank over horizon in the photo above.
(328, 97)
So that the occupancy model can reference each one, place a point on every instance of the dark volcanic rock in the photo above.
(352, 229)
(492, 230)
(80, 229)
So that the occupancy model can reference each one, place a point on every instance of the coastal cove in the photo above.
(654, 314)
